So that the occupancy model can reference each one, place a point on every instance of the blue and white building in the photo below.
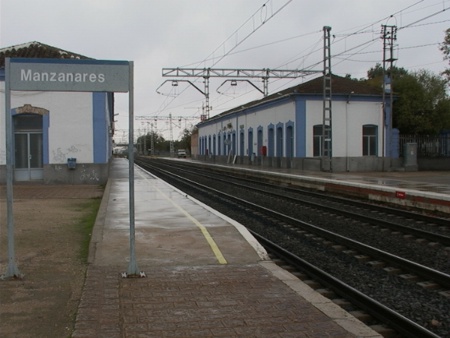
(284, 130)
(58, 137)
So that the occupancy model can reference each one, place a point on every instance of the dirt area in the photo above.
(48, 223)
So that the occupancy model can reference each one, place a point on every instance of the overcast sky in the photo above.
(235, 34)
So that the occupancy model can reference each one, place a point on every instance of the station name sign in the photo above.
(69, 75)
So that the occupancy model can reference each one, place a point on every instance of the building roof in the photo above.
(37, 49)
(340, 86)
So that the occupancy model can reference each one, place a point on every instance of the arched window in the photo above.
(250, 142)
(260, 140)
(219, 144)
(290, 140)
(241, 143)
(280, 138)
(271, 141)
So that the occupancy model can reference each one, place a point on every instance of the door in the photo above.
(28, 164)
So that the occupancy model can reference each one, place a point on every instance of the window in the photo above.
(27, 122)
(289, 141)
(271, 141)
(370, 140)
(318, 144)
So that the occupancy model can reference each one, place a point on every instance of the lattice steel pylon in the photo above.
(327, 137)
(389, 35)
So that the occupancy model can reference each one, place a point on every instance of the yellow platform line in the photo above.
(214, 247)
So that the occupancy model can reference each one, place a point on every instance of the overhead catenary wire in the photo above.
(349, 54)
(365, 29)
(264, 6)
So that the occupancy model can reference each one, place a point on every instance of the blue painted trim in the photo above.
(45, 142)
(300, 128)
(100, 127)
(69, 61)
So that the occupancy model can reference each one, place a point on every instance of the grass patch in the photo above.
(86, 225)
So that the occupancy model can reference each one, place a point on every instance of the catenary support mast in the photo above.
(327, 137)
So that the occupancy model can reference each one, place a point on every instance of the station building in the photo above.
(284, 130)
(58, 137)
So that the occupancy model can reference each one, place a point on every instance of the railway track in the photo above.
(372, 270)
(382, 313)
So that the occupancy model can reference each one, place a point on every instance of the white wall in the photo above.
(280, 113)
(347, 121)
(70, 129)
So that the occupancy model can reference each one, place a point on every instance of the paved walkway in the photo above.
(205, 275)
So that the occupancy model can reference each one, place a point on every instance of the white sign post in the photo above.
(27, 74)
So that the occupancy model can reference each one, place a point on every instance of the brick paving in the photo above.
(186, 292)
(186, 298)
(202, 301)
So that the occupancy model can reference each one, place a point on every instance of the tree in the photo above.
(377, 72)
(185, 141)
(422, 105)
(445, 49)
(158, 142)
(375, 75)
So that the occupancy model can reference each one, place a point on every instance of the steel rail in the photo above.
(445, 240)
(377, 310)
(421, 270)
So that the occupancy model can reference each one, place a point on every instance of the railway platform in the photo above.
(203, 275)
(420, 190)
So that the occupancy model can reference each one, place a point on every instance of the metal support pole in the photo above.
(327, 137)
(12, 270)
(152, 142)
(145, 140)
(133, 269)
(389, 35)
(208, 108)
(172, 150)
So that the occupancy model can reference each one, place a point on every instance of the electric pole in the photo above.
(389, 35)
(327, 137)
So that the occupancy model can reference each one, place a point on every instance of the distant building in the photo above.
(284, 130)
(59, 137)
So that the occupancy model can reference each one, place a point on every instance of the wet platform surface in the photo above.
(422, 190)
(428, 181)
(205, 274)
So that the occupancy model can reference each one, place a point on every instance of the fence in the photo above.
(428, 146)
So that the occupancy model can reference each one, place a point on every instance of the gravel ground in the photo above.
(47, 243)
